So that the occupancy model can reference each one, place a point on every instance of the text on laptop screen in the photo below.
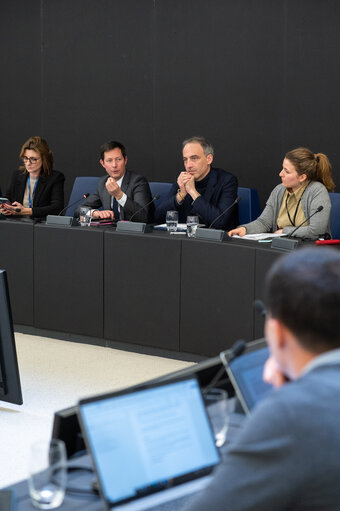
(146, 438)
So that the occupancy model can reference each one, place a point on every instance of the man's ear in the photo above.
(102, 163)
(210, 159)
(282, 333)
(275, 331)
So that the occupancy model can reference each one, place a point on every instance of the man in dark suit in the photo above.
(202, 189)
(287, 454)
(123, 194)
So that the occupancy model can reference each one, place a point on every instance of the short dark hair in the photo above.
(112, 145)
(303, 292)
(206, 145)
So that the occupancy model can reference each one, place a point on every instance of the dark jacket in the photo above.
(48, 196)
(138, 194)
(220, 193)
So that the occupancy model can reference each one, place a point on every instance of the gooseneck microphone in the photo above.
(288, 242)
(73, 203)
(236, 350)
(236, 201)
(320, 208)
(146, 205)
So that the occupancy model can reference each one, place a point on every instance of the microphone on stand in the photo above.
(288, 243)
(236, 201)
(320, 208)
(215, 234)
(148, 204)
(129, 226)
(236, 350)
(73, 203)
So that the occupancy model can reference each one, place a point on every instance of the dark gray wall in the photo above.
(257, 77)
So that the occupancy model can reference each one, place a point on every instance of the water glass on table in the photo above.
(192, 223)
(47, 474)
(84, 216)
(171, 221)
(218, 407)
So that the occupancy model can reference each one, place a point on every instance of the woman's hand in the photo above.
(15, 209)
(239, 231)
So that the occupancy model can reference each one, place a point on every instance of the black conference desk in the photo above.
(156, 290)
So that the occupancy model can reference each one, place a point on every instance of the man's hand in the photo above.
(107, 213)
(272, 373)
(191, 188)
(181, 180)
(113, 188)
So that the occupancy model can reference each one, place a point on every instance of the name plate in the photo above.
(136, 227)
(211, 234)
(62, 221)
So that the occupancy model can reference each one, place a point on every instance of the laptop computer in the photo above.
(245, 373)
(150, 444)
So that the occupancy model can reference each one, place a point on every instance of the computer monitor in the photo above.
(10, 387)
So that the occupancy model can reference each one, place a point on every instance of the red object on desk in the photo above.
(327, 242)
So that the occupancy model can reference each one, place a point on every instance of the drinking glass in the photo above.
(218, 408)
(47, 474)
(85, 216)
(192, 223)
(171, 220)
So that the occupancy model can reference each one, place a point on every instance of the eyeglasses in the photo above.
(31, 160)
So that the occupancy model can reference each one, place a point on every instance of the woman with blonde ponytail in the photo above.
(306, 179)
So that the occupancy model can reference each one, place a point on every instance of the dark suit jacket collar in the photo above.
(126, 181)
(211, 184)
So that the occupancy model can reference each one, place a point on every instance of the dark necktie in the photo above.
(115, 208)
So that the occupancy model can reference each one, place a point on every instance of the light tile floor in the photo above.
(55, 374)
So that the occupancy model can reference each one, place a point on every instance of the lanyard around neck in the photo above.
(30, 196)
(296, 209)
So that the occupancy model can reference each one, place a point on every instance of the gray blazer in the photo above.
(314, 196)
(286, 456)
(138, 194)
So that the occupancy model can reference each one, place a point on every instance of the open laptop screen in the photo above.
(245, 373)
(148, 439)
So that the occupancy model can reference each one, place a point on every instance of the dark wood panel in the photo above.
(142, 289)
(264, 259)
(16, 256)
(216, 296)
(68, 279)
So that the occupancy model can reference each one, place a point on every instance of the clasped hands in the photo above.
(11, 209)
(186, 185)
(115, 191)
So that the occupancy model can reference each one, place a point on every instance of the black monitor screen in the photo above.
(10, 388)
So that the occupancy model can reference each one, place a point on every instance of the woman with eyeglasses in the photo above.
(306, 179)
(35, 189)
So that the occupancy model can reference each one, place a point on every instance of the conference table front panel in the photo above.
(68, 279)
(217, 294)
(264, 260)
(142, 289)
(16, 257)
(155, 290)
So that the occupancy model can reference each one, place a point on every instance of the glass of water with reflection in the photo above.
(218, 407)
(192, 223)
(171, 221)
(47, 474)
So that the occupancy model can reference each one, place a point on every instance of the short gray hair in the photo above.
(207, 147)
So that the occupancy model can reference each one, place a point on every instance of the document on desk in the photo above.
(261, 236)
